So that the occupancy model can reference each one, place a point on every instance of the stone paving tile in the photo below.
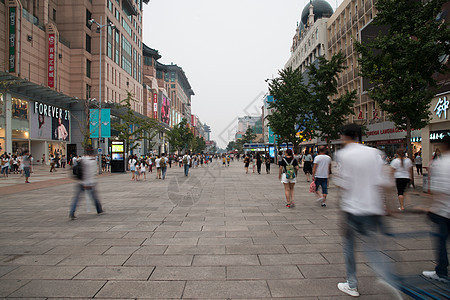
(18, 250)
(225, 260)
(159, 260)
(334, 270)
(94, 260)
(292, 259)
(43, 272)
(59, 288)
(255, 249)
(142, 290)
(263, 272)
(171, 241)
(151, 250)
(189, 273)
(226, 289)
(304, 287)
(198, 234)
(115, 273)
(316, 248)
(79, 250)
(411, 255)
(338, 258)
(280, 240)
(224, 241)
(117, 242)
(49, 260)
(171, 250)
(11, 285)
(235, 234)
(122, 250)
(6, 269)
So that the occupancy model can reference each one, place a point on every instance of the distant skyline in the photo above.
(227, 50)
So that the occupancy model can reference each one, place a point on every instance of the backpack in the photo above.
(162, 162)
(77, 171)
(290, 170)
(185, 160)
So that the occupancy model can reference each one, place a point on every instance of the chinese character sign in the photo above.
(442, 107)
(51, 60)
(12, 40)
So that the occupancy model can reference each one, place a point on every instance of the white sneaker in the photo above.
(344, 287)
(433, 275)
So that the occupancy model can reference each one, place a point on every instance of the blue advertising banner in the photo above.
(94, 122)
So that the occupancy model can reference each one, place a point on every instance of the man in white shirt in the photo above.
(88, 183)
(360, 178)
(321, 171)
(158, 167)
(186, 161)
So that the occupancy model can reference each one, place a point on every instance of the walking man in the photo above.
(88, 183)
(186, 161)
(26, 161)
(320, 173)
(360, 179)
(163, 164)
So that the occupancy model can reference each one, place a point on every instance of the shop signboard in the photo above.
(51, 60)
(165, 110)
(49, 122)
(155, 106)
(441, 108)
(12, 39)
(437, 136)
(106, 123)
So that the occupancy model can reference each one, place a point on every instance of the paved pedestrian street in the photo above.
(217, 234)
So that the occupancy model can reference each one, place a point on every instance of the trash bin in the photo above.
(425, 186)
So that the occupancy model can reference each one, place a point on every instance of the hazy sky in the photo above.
(227, 48)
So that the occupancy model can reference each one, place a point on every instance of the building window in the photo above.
(110, 6)
(88, 43)
(127, 27)
(88, 18)
(139, 68)
(109, 40)
(88, 68)
(117, 47)
(126, 55)
(54, 14)
(88, 91)
(117, 15)
(172, 76)
(148, 61)
(134, 64)
(172, 86)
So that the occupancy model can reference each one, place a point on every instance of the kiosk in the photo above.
(118, 158)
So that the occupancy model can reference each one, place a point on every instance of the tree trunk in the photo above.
(409, 148)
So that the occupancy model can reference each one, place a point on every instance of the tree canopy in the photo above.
(180, 136)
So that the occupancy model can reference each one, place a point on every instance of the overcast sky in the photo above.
(227, 48)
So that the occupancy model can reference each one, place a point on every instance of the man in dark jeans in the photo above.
(440, 212)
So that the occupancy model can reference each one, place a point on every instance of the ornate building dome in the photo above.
(322, 9)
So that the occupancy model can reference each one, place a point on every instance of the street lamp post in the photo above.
(99, 30)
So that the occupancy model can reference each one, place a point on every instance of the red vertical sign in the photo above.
(51, 60)
(155, 106)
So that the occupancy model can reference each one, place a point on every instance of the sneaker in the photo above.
(434, 276)
(72, 217)
(324, 205)
(344, 287)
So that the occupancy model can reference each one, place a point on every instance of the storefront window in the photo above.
(19, 147)
(19, 123)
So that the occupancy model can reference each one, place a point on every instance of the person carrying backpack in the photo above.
(163, 165)
(287, 174)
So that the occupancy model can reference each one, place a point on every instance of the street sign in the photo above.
(99, 151)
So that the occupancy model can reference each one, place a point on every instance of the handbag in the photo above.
(312, 187)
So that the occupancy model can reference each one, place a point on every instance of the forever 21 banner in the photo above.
(49, 122)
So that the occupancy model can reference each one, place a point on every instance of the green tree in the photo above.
(133, 128)
(249, 136)
(231, 146)
(291, 107)
(199, 144)
(400, 64)
(329, 114)
(180, 136)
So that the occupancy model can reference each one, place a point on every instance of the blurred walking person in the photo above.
(267, 161)
(440, 212)
(402, 170)
(246, 163)
(26, 163)
(88, 172)
(307, 164)
(418, 163)
(258, 163)
(320, 174)
(287, 174)
(361, 179)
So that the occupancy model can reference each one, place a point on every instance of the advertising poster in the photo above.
(165, 110)
(51, 60)
(49, 122)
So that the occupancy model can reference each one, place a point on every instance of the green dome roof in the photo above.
(322, 9)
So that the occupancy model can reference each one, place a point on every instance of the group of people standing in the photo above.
(17, 164)
(257, 161)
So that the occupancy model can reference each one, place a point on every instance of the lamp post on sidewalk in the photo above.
(99, 30)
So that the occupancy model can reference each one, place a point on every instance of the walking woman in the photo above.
(267, 161)
(287, 174)
(246, 163)
(258, 163)
(307, 164)
(402, 170)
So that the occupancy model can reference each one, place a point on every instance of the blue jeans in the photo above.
(443, 225)
(163, 172)
(186, 169)
(322, 182)
(368, 227)
(81, 188)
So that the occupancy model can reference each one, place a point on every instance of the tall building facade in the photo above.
(51, 63)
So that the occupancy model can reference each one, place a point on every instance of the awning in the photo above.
(33, 91)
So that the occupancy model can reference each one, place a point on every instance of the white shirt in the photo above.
(89, 170)
(402, 172)
(360, 175)
(440, 185)
(307, 157)
(132, 162)
(323, 165)
(142, 167)
(157, 161)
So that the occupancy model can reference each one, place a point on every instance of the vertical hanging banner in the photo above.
(51, 60)
(155, 106)
(94, 122)
(12, 40)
